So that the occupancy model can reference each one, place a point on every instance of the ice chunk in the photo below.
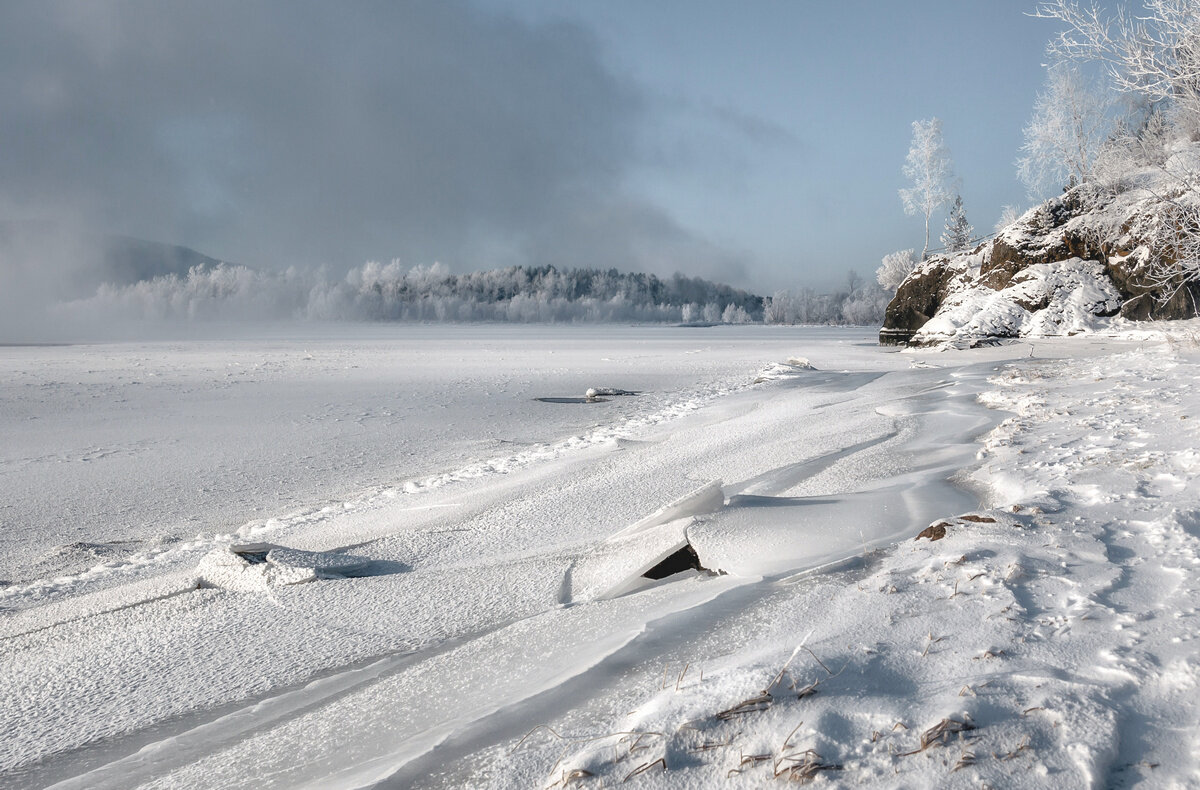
(255, 567)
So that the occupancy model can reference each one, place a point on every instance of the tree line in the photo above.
(516, 294)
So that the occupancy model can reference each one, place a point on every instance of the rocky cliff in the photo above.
(1070, 265)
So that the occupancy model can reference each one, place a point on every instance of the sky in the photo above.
(755, 143)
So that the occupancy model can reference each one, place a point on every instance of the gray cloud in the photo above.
(273, 133)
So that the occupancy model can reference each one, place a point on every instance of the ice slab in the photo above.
(617, 565)
(254, 567)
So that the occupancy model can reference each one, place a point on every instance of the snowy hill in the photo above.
(1099, 253)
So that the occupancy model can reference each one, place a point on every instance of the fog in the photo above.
(279, 134)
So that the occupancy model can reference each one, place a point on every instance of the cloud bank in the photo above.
(301, 133)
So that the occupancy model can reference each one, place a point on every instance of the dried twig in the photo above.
(708, 745)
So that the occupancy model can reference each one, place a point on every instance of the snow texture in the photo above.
(950, 568)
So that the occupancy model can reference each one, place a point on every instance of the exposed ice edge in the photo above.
(688, 403)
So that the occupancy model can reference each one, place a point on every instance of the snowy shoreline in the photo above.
(1049, 635)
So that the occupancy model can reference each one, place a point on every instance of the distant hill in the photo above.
(73, 264)
(126, 260)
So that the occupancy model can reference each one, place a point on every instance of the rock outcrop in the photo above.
(1067, 266)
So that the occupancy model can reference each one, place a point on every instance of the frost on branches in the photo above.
(929, 166)
(957, 235)
(1064, 136)
(1153, 55)
(895, 269)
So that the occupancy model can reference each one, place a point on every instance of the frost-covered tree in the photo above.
(928, 165)
(1008, 215)
(957, 235)
(1069, 125)
(896, 266)
(1154, 51)
(1154, 55)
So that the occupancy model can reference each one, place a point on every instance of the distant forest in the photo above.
(520, 294)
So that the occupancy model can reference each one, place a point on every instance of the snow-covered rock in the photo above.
(1067, 266)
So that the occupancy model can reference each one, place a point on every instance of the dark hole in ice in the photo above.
(377, 568)
(572, 400)
(253, 557)
(685, 559)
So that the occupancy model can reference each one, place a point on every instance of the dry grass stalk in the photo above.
(576, 775)
(707, 745)
(531, 732)
(1022, 746)
(941, 733)
(682, 675)
(804, 768)
(752, 759)
(806, 691)
(819, 661)
(752, 705)
(965, 759)
(790, 734)
(641, 769)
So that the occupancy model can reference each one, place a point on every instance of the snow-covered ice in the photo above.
(473, 611)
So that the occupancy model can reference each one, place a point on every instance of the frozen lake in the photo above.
(479, 557)
(109, 448)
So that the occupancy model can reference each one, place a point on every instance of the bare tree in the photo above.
(928, 165)
(1064, 136)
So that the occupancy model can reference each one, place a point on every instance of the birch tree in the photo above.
(928, 165)
(1064, 136)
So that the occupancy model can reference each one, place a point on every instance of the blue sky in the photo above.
(779, 128)
(757, 143)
